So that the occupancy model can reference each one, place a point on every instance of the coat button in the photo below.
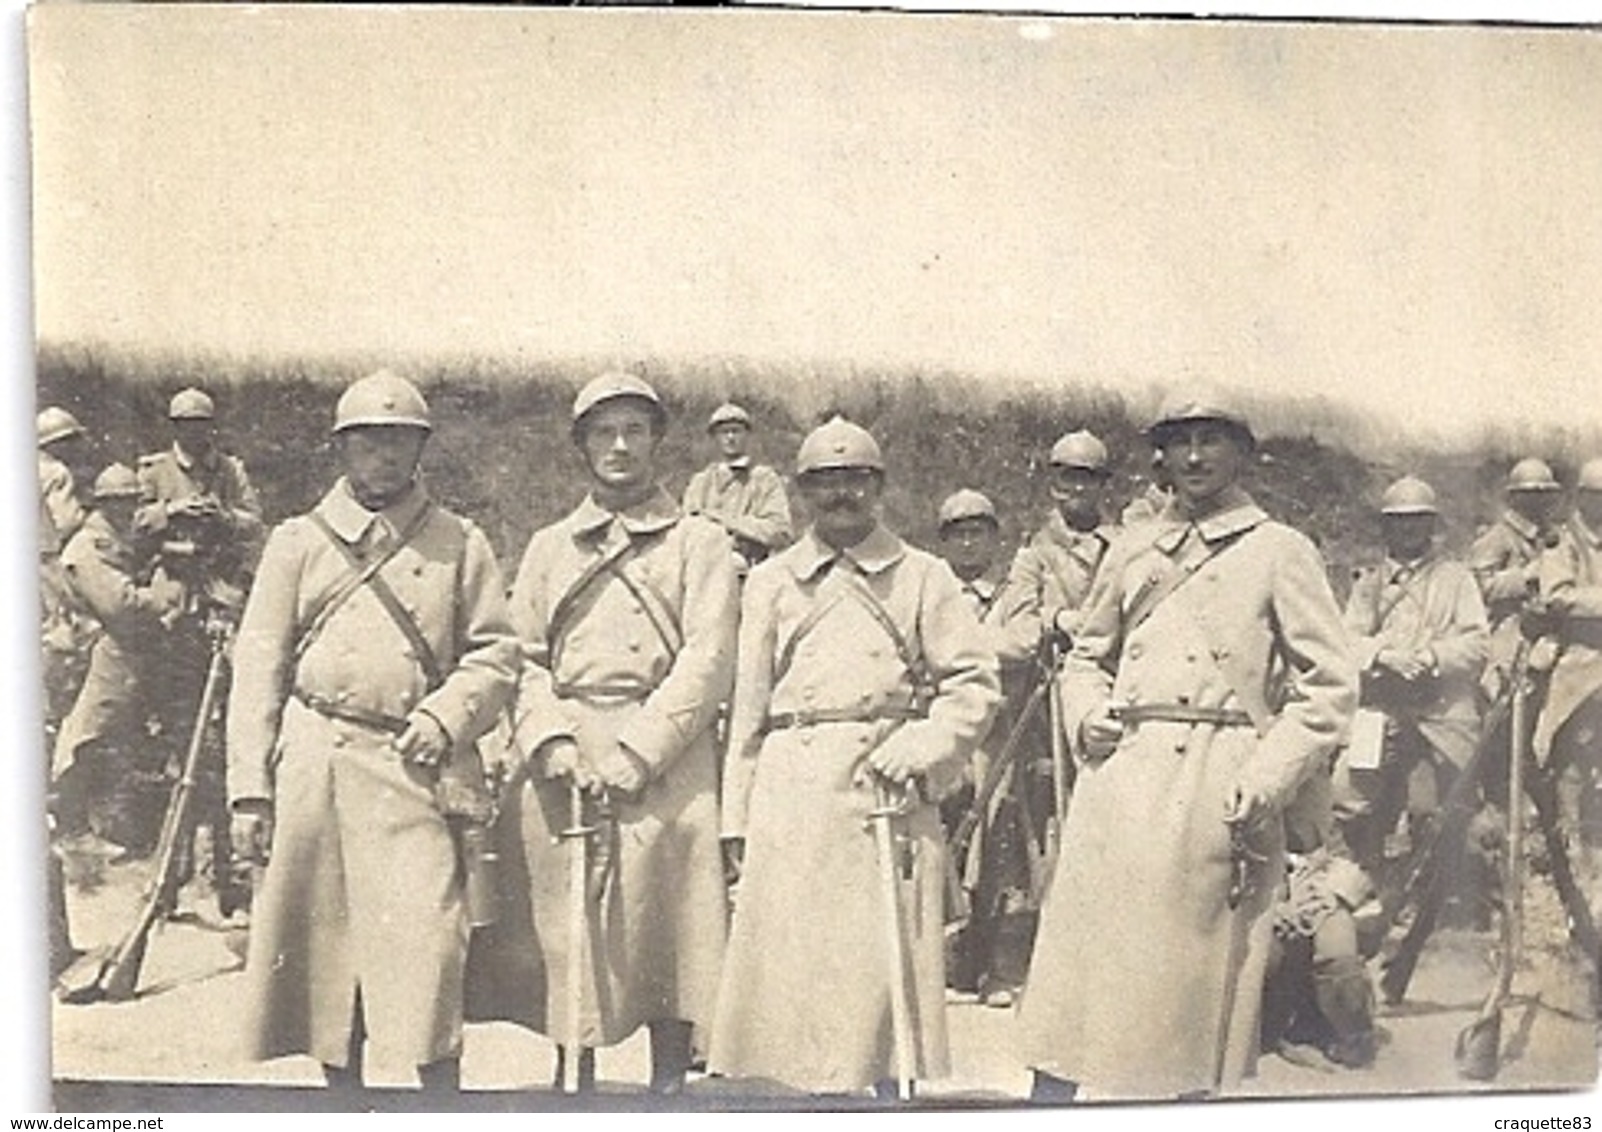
(634, 645)
(340, 740)
(1135, 650)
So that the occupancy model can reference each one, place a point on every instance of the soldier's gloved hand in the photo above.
(622, 770)
(425, 742)
(1099, 734)
(561, 758)
(899, 762)
(251, 830)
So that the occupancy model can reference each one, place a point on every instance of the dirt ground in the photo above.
(133, 1056)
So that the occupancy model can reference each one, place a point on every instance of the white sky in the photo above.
(1402, 217)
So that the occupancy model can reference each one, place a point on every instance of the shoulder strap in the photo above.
(1147, 600)
(657, 608)
(610, 563)
(854, 587)
(365, 574)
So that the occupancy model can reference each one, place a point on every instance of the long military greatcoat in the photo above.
(363, 894)
(642, 657)
(1573, 570)
(805, 996)
(1144, 982)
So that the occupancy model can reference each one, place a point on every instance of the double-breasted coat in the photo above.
(805, 996)
(1145, 982)
(1572, 573)
(363, 893)
(641, 657)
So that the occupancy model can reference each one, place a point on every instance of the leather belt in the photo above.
(782, 720)
(1180, 713)
(638, 693)
(350, 713)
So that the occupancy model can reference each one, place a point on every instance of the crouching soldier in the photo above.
(373, 651)
(864, 685)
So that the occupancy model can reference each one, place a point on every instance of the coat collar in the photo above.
(1521, 526)
(1236, 513)
(1058, 531)
(876, 553)
(656, 512)
(350, 520)
(1395, 571)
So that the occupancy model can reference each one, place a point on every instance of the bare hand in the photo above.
(424, 743)
(562, 759)
(194, 507)
(1100, 734)
(1407, 665)
(1256, 796)
(251, 831)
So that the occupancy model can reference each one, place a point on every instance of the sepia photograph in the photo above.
(737, 559)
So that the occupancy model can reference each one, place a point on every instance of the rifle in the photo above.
(881, 817)
(1430, 867)
(962, 837)
(1479, 1044)
(118, 980)
(1061, 775)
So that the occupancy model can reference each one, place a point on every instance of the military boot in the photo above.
(1345, 997)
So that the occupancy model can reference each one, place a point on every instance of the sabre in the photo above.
(577, 836)
(881, 817)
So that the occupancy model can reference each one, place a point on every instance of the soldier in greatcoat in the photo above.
(1420, 628)
(1568, 731)
(1506, 559)
(745, 498)
(373, 651)
(627, 611)
(98, 749)
(863, 677)
(998, 863)
(1234, 683)
(201, 521)
(1051, 573)
(63, 460)
(63, 634)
